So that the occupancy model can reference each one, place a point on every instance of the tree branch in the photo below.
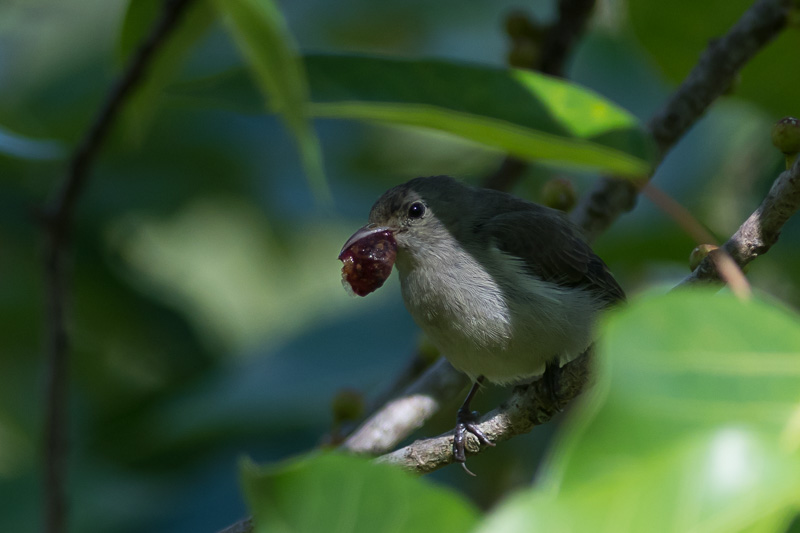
(58, 216)
(406, 413)
(713, 75)
(564, 34)
(760, 231)
(529, 406)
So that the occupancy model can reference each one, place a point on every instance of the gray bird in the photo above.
(501, 286)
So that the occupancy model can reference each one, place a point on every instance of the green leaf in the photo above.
(338, 493)
(521, 112)
(265, 42)
(693, 425)
(524, 113)
(676, 33)
(140, 18)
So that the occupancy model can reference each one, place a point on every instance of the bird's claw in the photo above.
(465, 423)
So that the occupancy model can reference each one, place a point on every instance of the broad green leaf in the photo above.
(264, 40)
(693, 425)
(338, 493)
(140, 18)
(524, 113)
(676, 33)
(521, 112)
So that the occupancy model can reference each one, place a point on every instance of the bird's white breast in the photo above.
(506, 326)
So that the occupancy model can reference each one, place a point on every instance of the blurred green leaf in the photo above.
(524, 113)
(332, 492)
(676, 33)
(694, 425)
(267, 45)
(139, 21)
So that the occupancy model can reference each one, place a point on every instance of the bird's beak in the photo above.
(366, 231)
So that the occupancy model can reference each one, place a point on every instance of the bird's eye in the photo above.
(416, 210)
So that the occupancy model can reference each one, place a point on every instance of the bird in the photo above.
(506, 289)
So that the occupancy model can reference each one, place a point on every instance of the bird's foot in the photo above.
(465, 423)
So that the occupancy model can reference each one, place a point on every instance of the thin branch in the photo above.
(406, 413)
(58, 216)
(529, 406)
(564, 34)
(760, 231)
(729, 271)
(713, 75)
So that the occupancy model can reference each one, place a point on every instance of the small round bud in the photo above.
(700, 253)
(786, 135)
(559, 193)
(347, 405)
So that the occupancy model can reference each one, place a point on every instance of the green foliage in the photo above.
(343, 494)
(264, 39)
(692, 425)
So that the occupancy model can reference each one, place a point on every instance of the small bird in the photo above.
(504, 288)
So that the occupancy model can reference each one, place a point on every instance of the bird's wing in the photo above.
(552, 249)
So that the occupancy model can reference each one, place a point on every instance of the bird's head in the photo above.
(414, 218)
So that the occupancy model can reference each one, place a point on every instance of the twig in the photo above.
(713, 75)
(401, 416)
(528, 406)
(760, 231)
(58, 217)
(563, 35)
(728, 270)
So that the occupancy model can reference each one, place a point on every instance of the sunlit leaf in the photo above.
(264, 39)
(694, 425)
(331, 492)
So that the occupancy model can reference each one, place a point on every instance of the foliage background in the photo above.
(209, 321)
